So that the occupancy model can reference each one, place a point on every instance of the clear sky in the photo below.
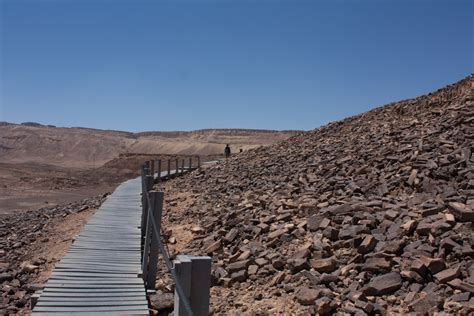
(181, 65)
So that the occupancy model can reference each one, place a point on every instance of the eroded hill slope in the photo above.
(89, 148)
(373, 213)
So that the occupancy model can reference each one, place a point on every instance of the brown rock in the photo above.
(252, 269)
(367, 307)
(238, 265)
(244, 255)
(324, 306)
(239, 276)
(197, 229)
(331, 233)
(296, 265)
(411, 179)
(28, 267)
(367, 245)
(324, 265)
(5, 277)
(231, 235)
(423, 228)
(419, 267)
(261, 261)
(426, 303)
(463, 286)
(462, 212)
(384, 284)
(162, 301)
(278, 263)
(277, 233)
(411, 275)
(306, 296)
(377, 264)
(213, 247)
(313, 222)
(448, 274)
(278, 278)
(434, 265)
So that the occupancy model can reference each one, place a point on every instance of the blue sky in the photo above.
(181, 65)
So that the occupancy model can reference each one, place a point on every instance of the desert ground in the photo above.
(53, 179)
(44, 166)
(372, 214)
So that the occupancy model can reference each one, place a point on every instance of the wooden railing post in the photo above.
(143, 202)
(199, 161)
(176, 169)
(169, 168)
(152, 168)
(190, 162)
(159, 170)
(194, 275)
(150, 257)
(147, 185)
(182, 166)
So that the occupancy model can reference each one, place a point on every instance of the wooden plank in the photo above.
(129, 313)
(99, 273)
(94, 290)
(92, 264)
(90, 296)
(80, 275)
(93, 285)
(69, 309)
(124, 281)
(89, 303)
(98, 270)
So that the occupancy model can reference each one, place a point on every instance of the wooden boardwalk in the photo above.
(99, 275)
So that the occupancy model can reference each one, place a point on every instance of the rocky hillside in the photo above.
(371, 214)
(88, 148)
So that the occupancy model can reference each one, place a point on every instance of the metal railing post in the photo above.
(152, 168)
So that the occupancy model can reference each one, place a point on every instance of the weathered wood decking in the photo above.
(99, 275)
(101, 272)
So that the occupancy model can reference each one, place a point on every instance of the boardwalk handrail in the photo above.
(168, 263)
(189, 301)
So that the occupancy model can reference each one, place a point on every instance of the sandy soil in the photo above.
(53, 247)
(33, 186)
(30, 186)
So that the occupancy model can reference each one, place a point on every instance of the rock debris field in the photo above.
(371, 214)
(30, 244)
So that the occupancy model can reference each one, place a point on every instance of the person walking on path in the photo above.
(227, 151)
